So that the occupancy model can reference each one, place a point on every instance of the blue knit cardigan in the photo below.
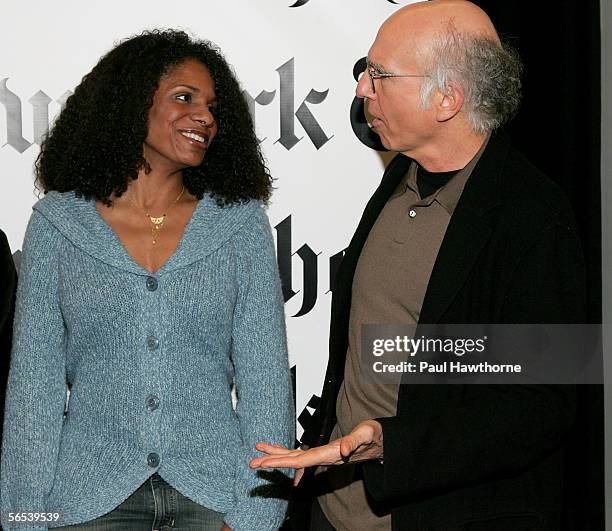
(150, 360)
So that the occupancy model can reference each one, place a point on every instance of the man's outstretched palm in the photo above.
(362, 444)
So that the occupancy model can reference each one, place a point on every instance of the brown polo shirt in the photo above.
(388, 288)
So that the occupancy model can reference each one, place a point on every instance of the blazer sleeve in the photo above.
(473, 433)
(36, 388)
(262, 377)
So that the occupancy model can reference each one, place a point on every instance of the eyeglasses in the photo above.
(374, 71)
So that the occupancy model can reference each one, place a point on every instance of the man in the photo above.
(462, 229)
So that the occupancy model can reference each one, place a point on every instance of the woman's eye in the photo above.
(183, 97)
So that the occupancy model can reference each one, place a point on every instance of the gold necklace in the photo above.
(157, 222)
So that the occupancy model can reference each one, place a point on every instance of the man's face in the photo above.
(394, 106)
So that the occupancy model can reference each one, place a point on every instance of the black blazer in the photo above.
(476, 457)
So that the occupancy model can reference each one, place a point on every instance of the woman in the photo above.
(148, 286)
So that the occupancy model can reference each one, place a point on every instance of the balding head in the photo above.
(439, 80)
(431, 19)
(455, 47)
(416, 28)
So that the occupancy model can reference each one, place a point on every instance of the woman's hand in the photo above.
(362, 444)
(226, 528)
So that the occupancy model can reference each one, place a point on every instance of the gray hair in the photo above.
(490, 75)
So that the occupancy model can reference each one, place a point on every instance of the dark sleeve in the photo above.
(452, 436)
(8, 286)
(7, 294)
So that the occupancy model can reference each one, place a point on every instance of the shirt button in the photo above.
(412, 213)
(152, 342)
(153, 460)
(152, 283)
(152, 402)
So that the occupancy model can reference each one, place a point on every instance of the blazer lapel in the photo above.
(469, 230)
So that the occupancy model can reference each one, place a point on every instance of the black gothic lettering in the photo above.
(263, 98)
(287, 138)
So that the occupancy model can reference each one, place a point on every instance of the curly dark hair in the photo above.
(94, 148)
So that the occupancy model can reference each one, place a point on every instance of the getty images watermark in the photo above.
(481, 354)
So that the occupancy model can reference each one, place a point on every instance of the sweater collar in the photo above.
(78, 220)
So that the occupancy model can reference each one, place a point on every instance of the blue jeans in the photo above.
(155, 506)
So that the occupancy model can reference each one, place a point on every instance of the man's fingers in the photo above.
(322, 455)
(255, 463)
(281, 462)
(348, 445)
(298, 476)
(272, 449)
(258, 461)
(274, 446)
(361, 435)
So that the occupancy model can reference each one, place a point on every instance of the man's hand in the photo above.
(226, 528)
(363, 443)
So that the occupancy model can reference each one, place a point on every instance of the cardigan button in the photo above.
(152, 342)
(152, 283)
(152, 402)
(153, 460)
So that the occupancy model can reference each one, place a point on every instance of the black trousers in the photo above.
(318, 521)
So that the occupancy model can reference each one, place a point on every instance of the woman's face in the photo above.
(181, 125)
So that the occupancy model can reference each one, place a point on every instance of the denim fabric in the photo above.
(155, 506)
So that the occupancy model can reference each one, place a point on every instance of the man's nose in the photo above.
(364, 86)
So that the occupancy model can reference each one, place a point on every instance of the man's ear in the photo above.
(449, 103)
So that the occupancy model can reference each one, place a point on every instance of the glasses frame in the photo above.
(374, 72)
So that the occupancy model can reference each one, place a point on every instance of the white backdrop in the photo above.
(48, 46)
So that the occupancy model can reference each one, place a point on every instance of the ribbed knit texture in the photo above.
(84, 317)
